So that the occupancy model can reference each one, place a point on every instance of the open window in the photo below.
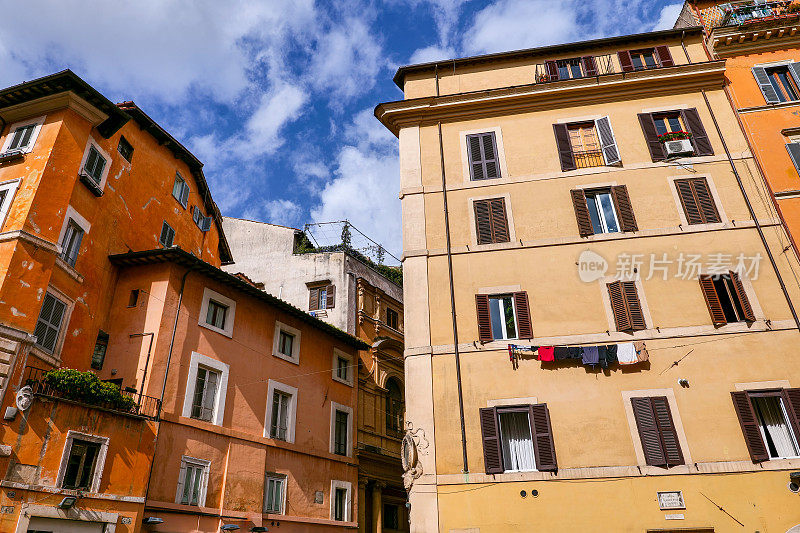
(603, 210)
(645, 58)
(100, 349)
(778, 83)
(180, 190)
(321, 297)
(674, 133)
(769, 421)
(726, 299)
(517, 439)
(586, 144)
(193, 481)
(82, 462)
(503, 316)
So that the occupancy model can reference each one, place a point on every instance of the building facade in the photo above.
(344, 290)
(587, 339)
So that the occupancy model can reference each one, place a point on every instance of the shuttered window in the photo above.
(491, 221)
(625, 306)
(644, 59)
(323, 297)
(794, 154)
(94, 166)
(698, 204)
(586, 144)
(71, 243)
(180, 190)
(603, 210)
(657, 431)
(726, 299)
(779, 83)
(483, 157)
(503, 316)
(48, 325)
(691, 121)
(517, 438)
(769, 422)
(167, 235)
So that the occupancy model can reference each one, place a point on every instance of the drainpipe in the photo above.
(453, 306)
(683, 45)
(147, 361)
(752, 212)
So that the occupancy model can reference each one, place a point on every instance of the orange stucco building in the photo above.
(110, 248)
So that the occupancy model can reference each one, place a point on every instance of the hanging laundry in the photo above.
(642, 354)
(561, 353)
(574, 352)
(626, 353)
(611, 354)
(546, 353)
(601, 356)
(590, 355)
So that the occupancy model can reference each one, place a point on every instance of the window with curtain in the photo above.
(776, 431)
(516, 441)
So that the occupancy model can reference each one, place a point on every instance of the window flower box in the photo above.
(674, 136)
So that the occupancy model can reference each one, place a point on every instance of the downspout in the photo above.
(683, 45)
(147, 361)
(751, 211)
(453, 306)
(436, 74)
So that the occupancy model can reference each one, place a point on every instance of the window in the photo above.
(778, 83)
(668, 123)
(625, 306)
(94, 165)
(342, 364)
(340, 500)
(48, 326)
(726, 299)
(100, 348)
(657, 431)
(7, 191)
(206, 389)
(193, 482)
(205, 394)
(167, 235)
(274, 490)
(125, 149)
(286, 343)
(491, 221)
(769, 420)
(395, 408)
(215, 315)
(321, 297)
(697, 201)
(392, 319)
(517, 439)
(586, 144)
(217, 312)
(603, 210)
(281, 409)
(71, 244)
(391, 516)
(569, 68)
(688, 120)
(82, 462)
(180, 190)
(341, 430)
(483, 156)
(646, 58)
(133, 299)
(503, 316)
(22, 136)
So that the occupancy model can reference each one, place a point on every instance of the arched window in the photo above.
(394, 408)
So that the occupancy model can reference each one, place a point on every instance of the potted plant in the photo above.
(674, 136)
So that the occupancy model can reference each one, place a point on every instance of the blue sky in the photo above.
(276, 97)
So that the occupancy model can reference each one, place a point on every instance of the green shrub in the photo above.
(86, 387)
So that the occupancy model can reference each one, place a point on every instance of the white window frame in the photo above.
(284, 480)
(786, 420)
(38, 122)
(194, 461)
(337, 353)
(209, 294)
(55, 355)
(349, 410)
(104, 176)
(295, 358)
(513, 308)
(600, 214)
(291, 415)
(11, 188)
(348, 506)
(222, 386)
(100, 462)
(79, 220)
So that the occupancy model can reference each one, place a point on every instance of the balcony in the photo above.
(589, 158)
(749, 13)
(141, 406)
(572, 69)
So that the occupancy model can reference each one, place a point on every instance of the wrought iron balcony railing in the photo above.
(589, 158)
(572, 69)
(748, 12)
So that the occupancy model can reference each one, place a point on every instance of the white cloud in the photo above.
(669, 15)
(281, 105)
(283, 212)
(432, 53)
(365, 131)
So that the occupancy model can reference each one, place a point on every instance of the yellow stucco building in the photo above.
(599, 321)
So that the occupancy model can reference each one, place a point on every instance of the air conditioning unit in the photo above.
(680, 147)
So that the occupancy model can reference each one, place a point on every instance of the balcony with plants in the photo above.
(750, 14)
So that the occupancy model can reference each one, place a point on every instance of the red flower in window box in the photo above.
(674, 136)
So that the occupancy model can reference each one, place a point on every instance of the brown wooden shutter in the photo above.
(648, 432)
(633, 306)
(564, 147)
(712, 301)
(483, 221)
(791, 400)
(749, 316)
(666, 427)
(492, 451)
(491, 222)
(700, 140)
(651, 137)
(313, 295)
(331, 297)
(589, 66)
(524, 323)
(542, 434)
(750, 429)
(625, 61)
(582, 213)
(624, 209)
(484, 318)
(476, 171)
(552, 70)
(698, 204)
(618, 306)
(664, 57)
(499, 220)
(689, 201)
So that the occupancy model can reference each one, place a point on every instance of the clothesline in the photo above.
(624, 353)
